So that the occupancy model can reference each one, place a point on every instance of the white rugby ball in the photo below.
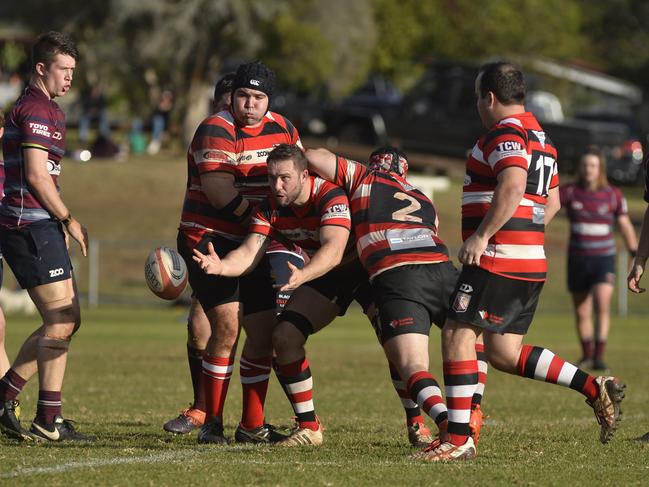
(165, 272)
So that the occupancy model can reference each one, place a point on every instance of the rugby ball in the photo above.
(165, 272)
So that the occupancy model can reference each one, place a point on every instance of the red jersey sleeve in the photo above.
(213, 147)
(262, 220)
(333, 204)
(504, 147)
(621, 207)
(349, 174)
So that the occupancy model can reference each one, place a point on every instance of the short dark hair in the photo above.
(284, 152)
(505, 80)
(223, 85)
(51, 43)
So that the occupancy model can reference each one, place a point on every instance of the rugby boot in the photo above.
(419, 435)
(475, 423)
(303, 437)
(265, 433)
(9, 423)
(607, 406)
(447, 451)
(187, 421)
(58, 430)
(212, 432)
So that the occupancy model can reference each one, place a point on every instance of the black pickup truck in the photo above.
(438, 115)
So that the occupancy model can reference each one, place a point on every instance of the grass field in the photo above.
(127, 376)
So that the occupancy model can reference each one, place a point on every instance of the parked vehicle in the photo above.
(439, 116)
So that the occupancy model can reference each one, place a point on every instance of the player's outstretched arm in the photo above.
(333, 241)
(640, 260)
(238, 262)
(507, 196)
(43, 188)
(322, 162)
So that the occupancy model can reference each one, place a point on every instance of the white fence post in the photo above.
(622, 270)
(93, 273)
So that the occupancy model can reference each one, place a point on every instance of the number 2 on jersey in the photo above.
(404, 214)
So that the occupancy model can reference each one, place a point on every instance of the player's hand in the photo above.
(294, 281)
(472, 249)
(633, 280)
(78, 232)
(210, 262)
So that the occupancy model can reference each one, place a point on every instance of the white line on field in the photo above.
(171, 457)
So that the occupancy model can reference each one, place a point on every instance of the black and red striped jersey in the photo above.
(516, 249)
(222, 145)
(394, 223)
(328, 205)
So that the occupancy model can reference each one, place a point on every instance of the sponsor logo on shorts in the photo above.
(461, 303)
(402, 322)
(56, 272)
(491, 318)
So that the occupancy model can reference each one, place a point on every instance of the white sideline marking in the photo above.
(174, 456)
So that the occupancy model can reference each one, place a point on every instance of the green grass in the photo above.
(127, 375)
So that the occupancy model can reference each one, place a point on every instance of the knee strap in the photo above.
(58, 343)
(298, 320)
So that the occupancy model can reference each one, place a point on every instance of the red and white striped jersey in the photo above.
(394, 223)
(516, 249)
(592, 216)
(328, 205)
(221, 145)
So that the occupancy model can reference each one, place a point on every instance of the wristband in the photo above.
(66, 220)
(633, 253)
(232, 206)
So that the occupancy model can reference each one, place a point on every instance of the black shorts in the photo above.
(411, 297)
(493, 302)
(586, 271)
(254, 290)
(340, 284)
(280, 272)
(37, 253)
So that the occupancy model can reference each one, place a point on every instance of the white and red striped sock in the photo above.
(460, 379)
(297, 380)
(425, 390)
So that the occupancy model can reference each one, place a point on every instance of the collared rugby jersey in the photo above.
(35, 122)
(515, 250)
(395, 224)
(592, 216)
(328, 205)
(221, 145)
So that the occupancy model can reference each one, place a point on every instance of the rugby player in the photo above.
(4, 359)
(510, 194)
(640, 260)
(33, 222)
(227, 175)
(395, 231)
(314, 214)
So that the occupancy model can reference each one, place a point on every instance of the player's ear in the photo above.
(40, 69)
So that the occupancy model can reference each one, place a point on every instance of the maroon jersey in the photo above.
(35, 122)
(328, 205)
(592, 216)
(395, 224)
(221, 145)
(515, 250)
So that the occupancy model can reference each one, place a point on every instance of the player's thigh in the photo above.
(58, 305)
(602, 295)
(318, 309)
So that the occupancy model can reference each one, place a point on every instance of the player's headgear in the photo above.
(256, 76)
(389, 159)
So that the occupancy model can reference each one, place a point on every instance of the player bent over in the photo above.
(395, 230)
(510, 194)
(314, 214)
(32, 221)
